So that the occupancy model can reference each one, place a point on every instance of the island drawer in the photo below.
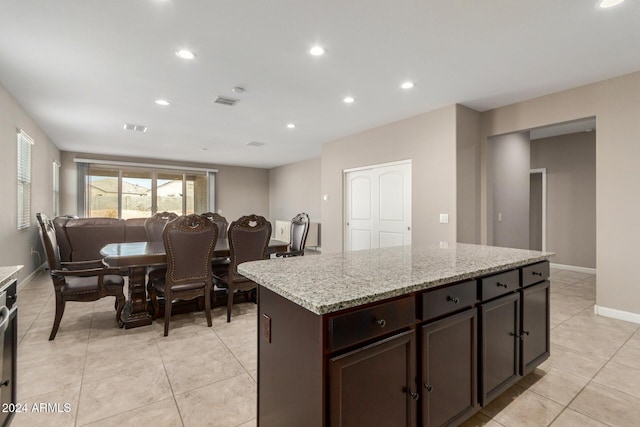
(361, 325)
(535, 273)
(499, 284)
(442, 301)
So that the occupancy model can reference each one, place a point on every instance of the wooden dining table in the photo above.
(137, 256)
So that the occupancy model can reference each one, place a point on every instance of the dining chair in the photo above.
(248, 241)
(154, 227)
(189, 242)
(219, 264)
(77, 281)
(298, 236)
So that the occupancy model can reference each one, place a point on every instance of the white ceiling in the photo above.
(84, 68)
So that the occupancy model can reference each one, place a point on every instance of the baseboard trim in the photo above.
(24, 282)
(616, 314)
(574, 268)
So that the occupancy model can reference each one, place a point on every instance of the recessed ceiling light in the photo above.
(406, 85)
(135, 128)
(162, 102)
(237, 89)
(317, 50)
(185, 54)
(291, 126)
(609, 3)
(348, 100)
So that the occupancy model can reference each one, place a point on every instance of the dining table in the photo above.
(137, 256)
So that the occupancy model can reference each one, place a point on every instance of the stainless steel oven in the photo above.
(8, 351)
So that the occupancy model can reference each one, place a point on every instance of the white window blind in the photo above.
(56, 188)
(24, 180)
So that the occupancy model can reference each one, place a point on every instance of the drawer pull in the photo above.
(414, 395)
(525, 332)
(536, 273)
(454, 300)
(428, 387)
(502, 285)
(382, 323)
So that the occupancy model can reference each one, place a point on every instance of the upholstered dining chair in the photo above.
(298, 236)
(248, 241)
(77, 281)
(219, 264)
(189, 242)
(154, 226)
(220, 221)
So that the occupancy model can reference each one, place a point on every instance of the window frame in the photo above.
(24, 159)
(123, 168)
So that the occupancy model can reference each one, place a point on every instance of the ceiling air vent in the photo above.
(255, 144)
(135, 128)
(225, 101)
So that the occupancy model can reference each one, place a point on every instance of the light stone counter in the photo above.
(327, 283)
(7, 274)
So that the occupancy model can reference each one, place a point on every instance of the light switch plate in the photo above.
(444, 218)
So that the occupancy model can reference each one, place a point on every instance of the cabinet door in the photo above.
(449, 360)
(535, 326)
(500, 343)
(375, 385)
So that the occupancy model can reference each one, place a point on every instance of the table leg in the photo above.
(135, 311)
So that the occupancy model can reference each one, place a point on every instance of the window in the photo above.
(24, 180)
(56, 188)
(140, 192)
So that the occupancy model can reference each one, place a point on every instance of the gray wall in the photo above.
(239, 190)
(16, 245)
(508, 181)
(468, 174)
(295, 188)
(570, 161)
(615, 104)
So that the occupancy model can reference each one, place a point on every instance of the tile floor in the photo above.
(200, 376)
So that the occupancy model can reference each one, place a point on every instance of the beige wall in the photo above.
(16, 245)
(295, 188)
(429, 140)
(570, 161)
(615, 103)
(239, 190)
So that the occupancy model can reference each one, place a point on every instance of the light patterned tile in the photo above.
(525, 408)
(229, 402)
(571, 418)
(607, 405)
(554, 384)
(122, 392)
(162, 413)
(54, 409)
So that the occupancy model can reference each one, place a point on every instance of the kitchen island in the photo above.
(401, 336)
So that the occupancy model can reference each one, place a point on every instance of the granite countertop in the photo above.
(331, 282)
(9, 273)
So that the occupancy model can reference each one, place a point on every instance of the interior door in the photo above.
(378, 207)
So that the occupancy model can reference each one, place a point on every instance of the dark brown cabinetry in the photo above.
(449, 369)
(535, 304)
(500, 345)
(375, 385)
(428, 358)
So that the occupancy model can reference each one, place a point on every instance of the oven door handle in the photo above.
(6, 315)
